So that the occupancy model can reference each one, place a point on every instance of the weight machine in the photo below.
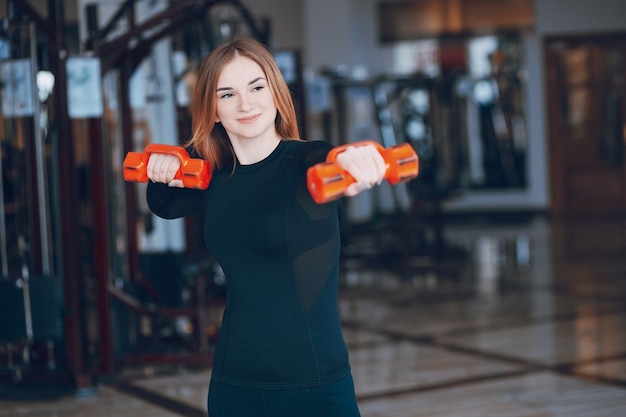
(75, 291)
(417, 110)
(163, 297)
(41, 325)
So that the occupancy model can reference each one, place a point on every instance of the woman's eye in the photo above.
(258, 88)
(226, 95)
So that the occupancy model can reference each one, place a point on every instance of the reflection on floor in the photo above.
(530, 322)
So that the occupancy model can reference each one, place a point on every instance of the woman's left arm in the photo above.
(365, 164)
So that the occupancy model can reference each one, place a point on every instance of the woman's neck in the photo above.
(251, 151)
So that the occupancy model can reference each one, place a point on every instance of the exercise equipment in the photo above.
(327, 181)
(194, 172)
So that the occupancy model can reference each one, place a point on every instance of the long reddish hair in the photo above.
(209, 139)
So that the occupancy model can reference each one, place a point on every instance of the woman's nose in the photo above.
(244, 102)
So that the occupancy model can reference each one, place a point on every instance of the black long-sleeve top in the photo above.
(280, 252)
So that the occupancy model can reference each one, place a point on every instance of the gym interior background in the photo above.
(493, 284)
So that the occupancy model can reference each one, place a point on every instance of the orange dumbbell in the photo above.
(327, 181)
(194, 172)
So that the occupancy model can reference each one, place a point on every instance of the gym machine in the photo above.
(414, 111)
(76, 293)
(40, 323)
(165, 291)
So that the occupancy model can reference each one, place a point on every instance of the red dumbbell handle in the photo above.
(327, 181)
(194, 172)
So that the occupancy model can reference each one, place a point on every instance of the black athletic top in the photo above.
(279, 251)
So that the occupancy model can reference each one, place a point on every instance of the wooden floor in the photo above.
(520, 317)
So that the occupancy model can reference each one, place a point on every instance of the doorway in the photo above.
(587, 123)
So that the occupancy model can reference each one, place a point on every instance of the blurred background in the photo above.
(491, 285)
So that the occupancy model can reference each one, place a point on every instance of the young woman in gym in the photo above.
(280, 351)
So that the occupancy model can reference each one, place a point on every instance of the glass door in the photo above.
(587, 121)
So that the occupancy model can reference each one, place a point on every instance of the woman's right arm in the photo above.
(165, 195)
(172, 202)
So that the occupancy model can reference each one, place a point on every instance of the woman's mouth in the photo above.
(248, 119)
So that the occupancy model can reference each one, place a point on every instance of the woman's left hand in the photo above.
(365, 164)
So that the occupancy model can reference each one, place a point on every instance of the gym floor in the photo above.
(515, 317)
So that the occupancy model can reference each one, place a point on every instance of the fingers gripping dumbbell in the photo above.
(327, 181)
(194, 172)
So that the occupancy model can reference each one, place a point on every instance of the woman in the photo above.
(280, 351)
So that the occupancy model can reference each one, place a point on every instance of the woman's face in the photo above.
(245, 104)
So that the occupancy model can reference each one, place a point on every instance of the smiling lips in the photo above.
(249, 119)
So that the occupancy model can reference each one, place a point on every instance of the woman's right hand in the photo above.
(163, 168)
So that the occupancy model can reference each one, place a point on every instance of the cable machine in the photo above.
(80, 296)
(159, 282)
(42, 328)
(408, 237)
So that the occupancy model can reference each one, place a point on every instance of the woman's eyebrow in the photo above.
(250, 83)
(255, 80)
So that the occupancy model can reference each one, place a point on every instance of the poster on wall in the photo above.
(17, 88)
(84, 87)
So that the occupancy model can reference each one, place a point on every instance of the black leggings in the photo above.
(333, 400)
